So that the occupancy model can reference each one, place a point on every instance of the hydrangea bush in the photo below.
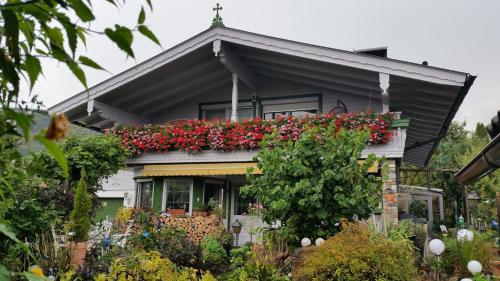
(197, 135)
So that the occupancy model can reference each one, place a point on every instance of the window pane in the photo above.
(178, 195)
(245, 113)
(241, 203)
(268, 116)
(217, 114)
(146, 193)
(302, 113)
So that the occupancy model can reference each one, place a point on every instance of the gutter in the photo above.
(469, 80)
(487, 161)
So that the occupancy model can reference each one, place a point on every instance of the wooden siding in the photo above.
(269, 87)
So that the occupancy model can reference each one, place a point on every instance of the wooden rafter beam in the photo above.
(233, 63)
(117, 115)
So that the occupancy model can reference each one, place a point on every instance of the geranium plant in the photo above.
(197, 135)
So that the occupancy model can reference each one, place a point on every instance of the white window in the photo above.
(178, 194)
(299, 107)
(144, 191)
(222, 111)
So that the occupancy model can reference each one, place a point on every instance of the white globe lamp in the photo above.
(305, 242)
(474, 267)
(319, 241)
(436, 246)
(465, 234)
(465, 279)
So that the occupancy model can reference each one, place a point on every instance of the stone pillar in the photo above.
(390, 194)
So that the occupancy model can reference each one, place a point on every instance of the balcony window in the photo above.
(222, 111)
(297, 107)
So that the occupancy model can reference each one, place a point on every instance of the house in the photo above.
(229, 74)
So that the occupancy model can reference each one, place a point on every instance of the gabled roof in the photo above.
(429, 96)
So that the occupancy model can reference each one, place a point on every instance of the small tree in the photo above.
(79, 219)
(310, 184)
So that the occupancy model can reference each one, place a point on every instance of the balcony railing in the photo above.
(197, 135)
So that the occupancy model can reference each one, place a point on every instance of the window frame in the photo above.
(225, 105)
(316, 97)
(139, 191)
(165, 193)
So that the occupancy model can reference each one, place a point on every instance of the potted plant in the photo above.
(79, 222)
(200, 210)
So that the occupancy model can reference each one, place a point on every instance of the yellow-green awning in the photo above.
(211, 169)
(208, 169)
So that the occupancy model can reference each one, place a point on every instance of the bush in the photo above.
(213, 254)
(308, 190)
(175, 245)
(146, 266)
(459, 253)
(356, 254)
(226, 239)
(80, 222)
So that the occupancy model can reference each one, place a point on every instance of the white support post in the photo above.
(234, 107)
(384, 85)
(441, 208)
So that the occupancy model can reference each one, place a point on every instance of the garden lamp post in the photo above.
(474, 267)
(236, 226)
(436, 246)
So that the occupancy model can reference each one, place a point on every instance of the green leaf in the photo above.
(142, 16)
(149, 4)
(144, 30)
(89, 62)
(55, 36)
(56, 152)
(33, 277)
(33, 67)
(81, 33)
(4, 229)
(82, 10)
(11, 33)
(122, 37)
(4, 273)
(78, 72)
(70, 29)
(23, 120)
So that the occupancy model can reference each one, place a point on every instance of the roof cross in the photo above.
(217, 20)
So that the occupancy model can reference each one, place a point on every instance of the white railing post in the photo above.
(234, 107)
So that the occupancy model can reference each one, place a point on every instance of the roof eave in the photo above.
(451, 114)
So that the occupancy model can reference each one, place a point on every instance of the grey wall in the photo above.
(268, 87)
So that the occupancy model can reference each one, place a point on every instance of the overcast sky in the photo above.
(458, 35)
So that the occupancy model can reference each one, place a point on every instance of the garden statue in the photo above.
(460, 222)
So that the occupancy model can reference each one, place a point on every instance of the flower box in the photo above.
(196, 135)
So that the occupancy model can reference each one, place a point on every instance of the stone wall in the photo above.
(390, 197)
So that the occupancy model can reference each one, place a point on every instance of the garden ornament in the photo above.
(474, 267)
(460, 222)
(305, 242)
(436, 246)
(319, 241)
(236, 226)
(465, 234)
(465, 279)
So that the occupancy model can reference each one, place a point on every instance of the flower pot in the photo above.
(200, 214)
(77, 252)
(176, 212)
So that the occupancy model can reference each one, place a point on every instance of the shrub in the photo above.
(213, 254)
(356, 254)
(239, 257)
(175, 245)
(146, 266)
(459, 253)
(309, 190)
(226, 239)
(80, 222)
